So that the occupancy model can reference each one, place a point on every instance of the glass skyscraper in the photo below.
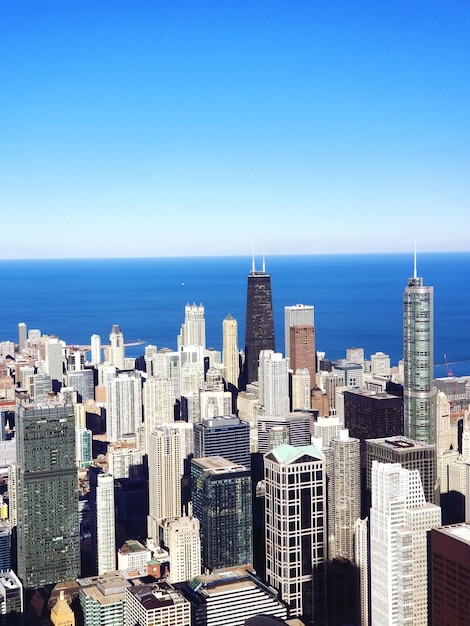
(418, 357)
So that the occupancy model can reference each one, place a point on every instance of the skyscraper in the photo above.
(296, 315)
(116, 351)
(226, 435)
(273, 380)
(21, 335)
(418, 358)
(95, 349)
(124, 405)
(302, 349)
(259, 320)
(102, 520)
(221, 497)
(399, 521)
(230, 349)
(193, 329)
(184, 544)
(47, 495)
(296, 529)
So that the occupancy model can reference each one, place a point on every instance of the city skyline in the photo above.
(159, 130)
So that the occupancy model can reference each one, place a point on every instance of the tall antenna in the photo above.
(264, 260)
(253, 258)
(415, 273)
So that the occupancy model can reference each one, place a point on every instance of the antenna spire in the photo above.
(264, 260)
(415, 272)
(253, 258)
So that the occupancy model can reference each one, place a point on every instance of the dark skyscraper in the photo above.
(259, 321)
(48, 528)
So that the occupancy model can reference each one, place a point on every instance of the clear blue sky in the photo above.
(155, 128)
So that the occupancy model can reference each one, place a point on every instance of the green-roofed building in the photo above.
(296, 529)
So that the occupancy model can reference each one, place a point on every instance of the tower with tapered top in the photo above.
(259, 320)
(418, 358)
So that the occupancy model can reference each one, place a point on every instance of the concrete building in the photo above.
(125, 459)
(380, 364)
(116, 350)
(182, 538)
(124, 405)
(82, 381)
(230, 350)
(159, 402)
(95, 349)
(231, 598)
(156, 603)
(102, 599)
(54, 362)
(296, 529)
(215, 402)
(61, 613)
(221, 498)
(21, 336)
(259, 326)
(327, 427)
(301, 385)
(132, 555)
(418, 357)
(400, 519)
(273, 381)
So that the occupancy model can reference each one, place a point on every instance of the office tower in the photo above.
(296, 315)
(296, 546)
(400, 519)
(159, 402)
(230, 350)
(259, 333)
(95, 349)
(450, 575)
(380, 364)
(124, 405)
(412, 455)
(11, 599)
(82, 381)
(221, 497)
(55, 362)
(5, 544)
(226, 436)
(47, 495)
(347, 493)
(156, 603)
(164, 459)
(298, 425)
(273, 383)
(361, 558)
(193, 329)
(184, 545)
(102, 599)
(103, 533)
(371, 415)
(302, 349)
(215, 403)
(21, 335)
(301, 390)
(116, 350)
(333, 384)
(235, 597)
(418, 357)
(61, 613)
(84, 447)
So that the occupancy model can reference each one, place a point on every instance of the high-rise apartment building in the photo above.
(124, 405)
(301, 385)
(230, 350)
(221, 497)
(159, 402)
(347, 493)
(54, 351)
(95, 349)
(21, 336)
(259, 334)
(181, 536)
(296, 529)
(47, 495)
(400, 519)
(226, 436)
(165, 472)
(418, 359)
(273, 380)
(103, 533)
(296, 315)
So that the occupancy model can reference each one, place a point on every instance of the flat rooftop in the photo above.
(401, 443)
(459, 531)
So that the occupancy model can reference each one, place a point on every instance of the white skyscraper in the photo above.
(21, 335)
(124, 405)
(380, 364)
(296, 315)
(296, 528)
(215, 403)
(399, 521)
(95, 349)
(116, 351)
(184, 545)
(230, 349)
(273, 380)
(159, 402)
(54, 350)
(193, 329)
(165, 471)
(102, 520)
(301, 389)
